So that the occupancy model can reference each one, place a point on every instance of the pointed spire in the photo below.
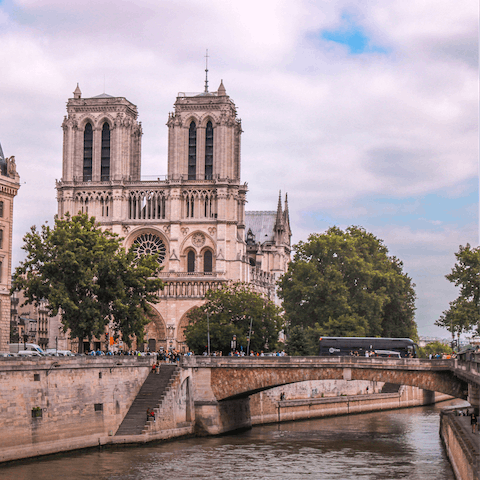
(278, 221)
(286, 216)
(77, 93)
(221, 92)
(206, 72)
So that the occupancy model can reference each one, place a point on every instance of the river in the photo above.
(397, 444)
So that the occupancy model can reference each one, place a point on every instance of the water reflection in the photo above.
(399, 444)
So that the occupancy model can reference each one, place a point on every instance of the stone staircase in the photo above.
(151, 395)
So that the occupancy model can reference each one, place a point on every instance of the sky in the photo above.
(364, 112)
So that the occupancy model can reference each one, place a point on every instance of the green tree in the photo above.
(433, 348)
(297, 342)
(229, 311)
(464, 312)
(347, 283)
(84, 273)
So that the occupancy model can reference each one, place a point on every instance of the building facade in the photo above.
(9, 185)
(193, 218)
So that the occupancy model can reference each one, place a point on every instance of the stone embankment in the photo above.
(52, 405)
(282, 405)
(461, 444)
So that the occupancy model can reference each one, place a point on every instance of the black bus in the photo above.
(367, 346)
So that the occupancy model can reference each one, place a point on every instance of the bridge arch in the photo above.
(241, 377)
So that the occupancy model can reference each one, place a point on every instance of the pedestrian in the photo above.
(473, 422)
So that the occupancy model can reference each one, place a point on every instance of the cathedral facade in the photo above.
(194, 217)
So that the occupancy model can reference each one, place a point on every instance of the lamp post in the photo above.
(249, 336)
(208, 334)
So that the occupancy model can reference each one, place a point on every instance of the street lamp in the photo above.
(249, 336)
(208, 334)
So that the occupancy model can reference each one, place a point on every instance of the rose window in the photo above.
(149, 244)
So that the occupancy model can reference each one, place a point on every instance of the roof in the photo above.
(103, 95)
(262, 225)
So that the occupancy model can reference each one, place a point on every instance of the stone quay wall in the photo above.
(332, 398)
(55, 404)
(461, 445)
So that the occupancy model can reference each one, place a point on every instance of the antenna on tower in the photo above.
(206, 72)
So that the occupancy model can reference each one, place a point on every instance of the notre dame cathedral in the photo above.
(194, 217)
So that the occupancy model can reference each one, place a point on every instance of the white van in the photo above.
(23, 347)
(59, 353)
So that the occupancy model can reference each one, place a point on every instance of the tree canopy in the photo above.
(344, 283)
(230, 311)
(85, 274)
(464, 312)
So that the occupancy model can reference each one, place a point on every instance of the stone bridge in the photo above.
(222, 385)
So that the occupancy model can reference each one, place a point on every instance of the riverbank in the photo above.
(270, 407)
(461, 444)
(50, 406)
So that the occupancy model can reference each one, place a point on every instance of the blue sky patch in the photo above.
(353, 36)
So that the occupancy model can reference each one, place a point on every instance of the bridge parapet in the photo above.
(315, 362)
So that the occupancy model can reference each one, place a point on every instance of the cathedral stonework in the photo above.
(194, 217)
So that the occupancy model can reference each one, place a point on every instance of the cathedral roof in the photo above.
(103, 95)
(262, 225)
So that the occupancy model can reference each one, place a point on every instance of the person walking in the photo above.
(474, 422)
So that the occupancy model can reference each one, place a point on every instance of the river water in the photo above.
(397, 444)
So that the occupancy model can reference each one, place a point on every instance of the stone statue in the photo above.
(11, 167)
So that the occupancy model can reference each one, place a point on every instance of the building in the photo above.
(193, 218)
(9, 185)
(32, 323)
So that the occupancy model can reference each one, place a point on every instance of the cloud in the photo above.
(363, 139)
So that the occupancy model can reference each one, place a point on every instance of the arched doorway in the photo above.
(155, 332)
(181, 341)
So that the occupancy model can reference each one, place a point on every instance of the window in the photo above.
(207, 262)
(98, 407)
(190, 204)
(191, 261)
(1, 238)
(105, 160)
(209, 151)
(1, 209)
(192, 151)
(87, 152)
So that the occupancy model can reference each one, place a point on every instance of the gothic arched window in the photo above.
(192, 151)
(209, 151)
(207, 262)
(105, 161)
(191, 261)
(87, 152)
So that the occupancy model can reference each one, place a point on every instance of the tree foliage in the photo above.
(464, 312)
(433, 348)
(346, 282)
(230, 311)
(84, 273)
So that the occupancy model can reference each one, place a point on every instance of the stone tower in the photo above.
(194, 217)
(9, 185)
